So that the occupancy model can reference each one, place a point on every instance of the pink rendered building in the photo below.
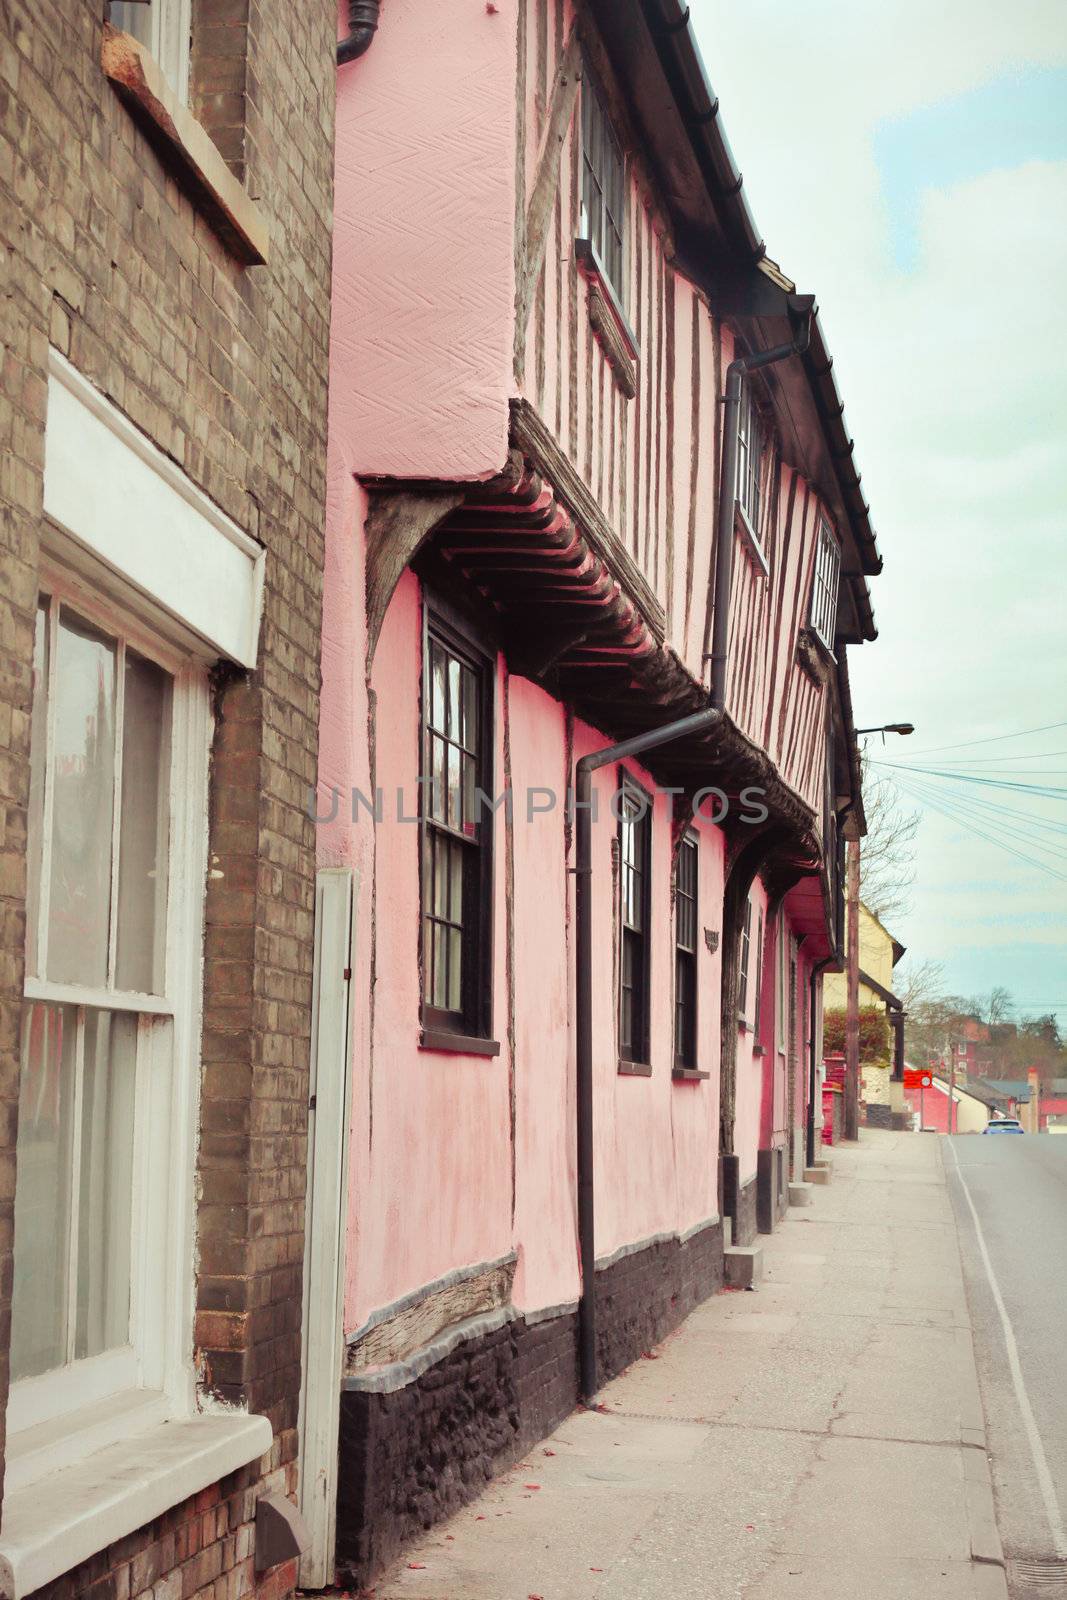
(562, 1059)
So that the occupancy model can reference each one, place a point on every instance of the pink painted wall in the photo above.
(430, 1160)
(423, 272)
(432, 1184)
(656, 1139)
(456, 1160)
(545, 1215)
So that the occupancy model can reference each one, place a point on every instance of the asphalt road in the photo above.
(1010, 1196)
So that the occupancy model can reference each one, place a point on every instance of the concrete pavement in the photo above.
(819, 1437)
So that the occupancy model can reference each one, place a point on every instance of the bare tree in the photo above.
(997, 1006)
(887, 856)
(918, 981)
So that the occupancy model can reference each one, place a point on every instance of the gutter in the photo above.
(696, 722)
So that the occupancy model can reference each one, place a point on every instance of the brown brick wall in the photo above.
(203, 1549)
(105, 255)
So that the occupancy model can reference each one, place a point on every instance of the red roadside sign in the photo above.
(917, 1078)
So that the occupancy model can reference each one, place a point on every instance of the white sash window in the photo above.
(115, 847)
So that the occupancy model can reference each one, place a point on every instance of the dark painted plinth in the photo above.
(643, 1296)
(772, 1188)
(879, 1117)
(409, 1458)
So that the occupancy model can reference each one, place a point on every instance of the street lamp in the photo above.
(852, 960)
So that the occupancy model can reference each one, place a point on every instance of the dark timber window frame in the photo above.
(454, 827)
(686, 950)
(751, 441)
(758, 998)
(633, 807)
(603, 190)
(826, 586)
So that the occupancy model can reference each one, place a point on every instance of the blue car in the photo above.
(1004, 1125)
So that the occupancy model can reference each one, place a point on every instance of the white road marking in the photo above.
(1037, 1449)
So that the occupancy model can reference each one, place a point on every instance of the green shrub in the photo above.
(874, 1033)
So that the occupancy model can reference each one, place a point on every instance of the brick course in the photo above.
(107, 257)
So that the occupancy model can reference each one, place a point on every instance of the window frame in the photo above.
(758, 987)
(744, 957)
(169, 40)
(635, 1056)
(751, 443)
(611, 265)
(781, 991)
(686, 1036)
(825, 586)
(471, 1028)
(154, 1371)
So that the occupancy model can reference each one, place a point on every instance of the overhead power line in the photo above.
(1049, 790)
(1027, 831)
(953, 813)
(994, 738)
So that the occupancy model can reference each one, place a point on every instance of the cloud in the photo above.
(952, 372)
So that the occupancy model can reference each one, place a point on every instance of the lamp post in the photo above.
(852, 958)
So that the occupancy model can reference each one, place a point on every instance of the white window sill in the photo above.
(52, 1525)
(138, 79)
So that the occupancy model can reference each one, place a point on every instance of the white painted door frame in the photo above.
(326, 1215)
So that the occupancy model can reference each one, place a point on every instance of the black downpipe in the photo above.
(362, 26)
(812, 1063)
(696, 722)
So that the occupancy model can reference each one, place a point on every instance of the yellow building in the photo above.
(879, 954)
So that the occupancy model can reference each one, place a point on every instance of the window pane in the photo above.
(440, 878)
(437, 687)
(454, 798)
(454, 671)
(134, 17)
(438, 794)
(456, 874)
(42, 1192)
(105, 1192)
(38, 757)
(455, 969)
(83, 775)
(144, 829)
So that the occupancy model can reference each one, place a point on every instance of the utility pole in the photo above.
(852, 955)
(852, 992)
(951, 1083)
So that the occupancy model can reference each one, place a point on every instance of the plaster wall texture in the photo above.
(430, 1165)
(459, 1159)
(748, 1097)
(542, 983)
(423, 267)
(876, 959)
(874, 1083)
(656, 1140)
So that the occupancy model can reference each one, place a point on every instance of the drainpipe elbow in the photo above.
(362, 26)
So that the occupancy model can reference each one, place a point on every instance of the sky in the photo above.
(907, 163)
